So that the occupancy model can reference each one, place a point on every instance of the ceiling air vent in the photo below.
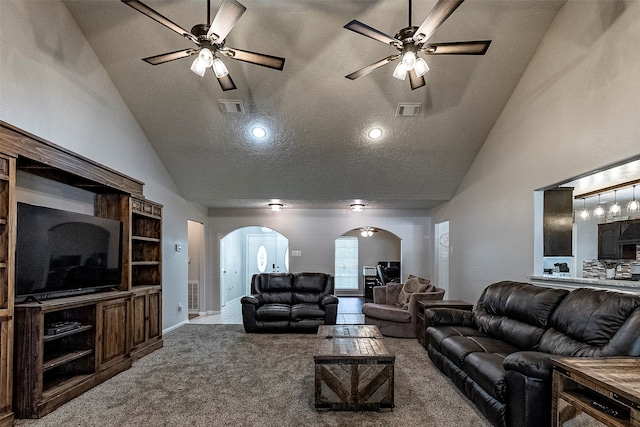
(408, 108)
(231, 105)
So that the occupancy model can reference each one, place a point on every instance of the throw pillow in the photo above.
(411, 286)
(420, 279)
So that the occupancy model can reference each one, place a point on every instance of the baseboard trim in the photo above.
(176, 326)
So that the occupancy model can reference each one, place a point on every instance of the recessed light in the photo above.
(375, 133)
(357, 207)
(258, 132)
(275, 207)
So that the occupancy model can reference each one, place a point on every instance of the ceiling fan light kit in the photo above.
(411, 40)
(210, 40)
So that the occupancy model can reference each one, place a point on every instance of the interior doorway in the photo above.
(441, 251)
(362, 247)
(195, 280)
(248, 251)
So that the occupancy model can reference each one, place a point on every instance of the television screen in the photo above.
(61, 253)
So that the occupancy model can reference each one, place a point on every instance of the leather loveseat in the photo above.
(499, 354)
(297, 302)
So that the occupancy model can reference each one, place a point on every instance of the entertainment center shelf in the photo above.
(72, 344)
(52, 351)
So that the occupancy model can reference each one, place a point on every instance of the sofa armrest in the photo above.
(255, 299)
(328, 299)
(534, 364)
(449, 316)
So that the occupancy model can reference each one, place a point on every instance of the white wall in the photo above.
(575, 109)
(52, 85)
(313, 231)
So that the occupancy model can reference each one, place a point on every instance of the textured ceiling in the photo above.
(316, 153)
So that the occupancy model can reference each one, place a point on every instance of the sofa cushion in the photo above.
(306, 311)
(275, 288)
(273, 312)
(515, 312)
(386, 312)
(392, 292)
(437, 334)
(310, 287)
(486, 370)
(458, 348)
(594, 323)
(593, 316)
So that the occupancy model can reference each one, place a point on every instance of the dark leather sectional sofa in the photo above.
(296, 302)
(499, 354)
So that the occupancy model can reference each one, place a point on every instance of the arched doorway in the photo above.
(245, 252)
(361, 247)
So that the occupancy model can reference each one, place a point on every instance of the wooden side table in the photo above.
(421, 321)
(606, 389)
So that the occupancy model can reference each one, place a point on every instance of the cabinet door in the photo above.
(558, 222)
(139, 318)
(155, 314)
(608, 235)
(113, 330)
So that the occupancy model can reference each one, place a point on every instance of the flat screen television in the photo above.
(61, 253)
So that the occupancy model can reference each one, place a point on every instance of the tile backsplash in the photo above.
(597, 269)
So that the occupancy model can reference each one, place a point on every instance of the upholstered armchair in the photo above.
(391, 316)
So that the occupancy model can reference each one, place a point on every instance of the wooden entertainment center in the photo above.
(39, 369)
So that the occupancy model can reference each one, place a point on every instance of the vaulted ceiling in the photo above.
(316, 153)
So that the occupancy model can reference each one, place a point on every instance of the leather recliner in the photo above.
(499, 354)
(296, 302)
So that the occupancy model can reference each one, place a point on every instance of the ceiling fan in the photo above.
(411, 40)
(210, 41)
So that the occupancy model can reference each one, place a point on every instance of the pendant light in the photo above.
(584, 215)
(599, 211)
(634, 205)
(615, 207)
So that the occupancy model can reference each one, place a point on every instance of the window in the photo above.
(346, 264)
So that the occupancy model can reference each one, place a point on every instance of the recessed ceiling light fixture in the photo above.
(375, 133)
(275, 207)
(357, 207)
(258, 132)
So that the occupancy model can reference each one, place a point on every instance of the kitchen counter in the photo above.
(579, 282)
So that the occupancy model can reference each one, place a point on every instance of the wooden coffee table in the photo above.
(353, 369)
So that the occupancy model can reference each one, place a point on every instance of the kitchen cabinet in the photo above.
(608, 235)
(618, 240)
(558, 222)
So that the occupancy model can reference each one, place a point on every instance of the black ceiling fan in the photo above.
(411, 40)
(210, 41)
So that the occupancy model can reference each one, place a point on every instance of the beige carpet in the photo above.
(216, 375)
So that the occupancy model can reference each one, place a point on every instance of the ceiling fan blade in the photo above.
(416, 82)
(365, 30)
(143, 8)
(440, 12)
(369, 68)
(478, 47)
(261, 59)
(171, 56)
(228, 14)
(226, 83)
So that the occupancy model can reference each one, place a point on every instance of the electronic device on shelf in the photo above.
(607, 409)
(62, 253)
(61, 327)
